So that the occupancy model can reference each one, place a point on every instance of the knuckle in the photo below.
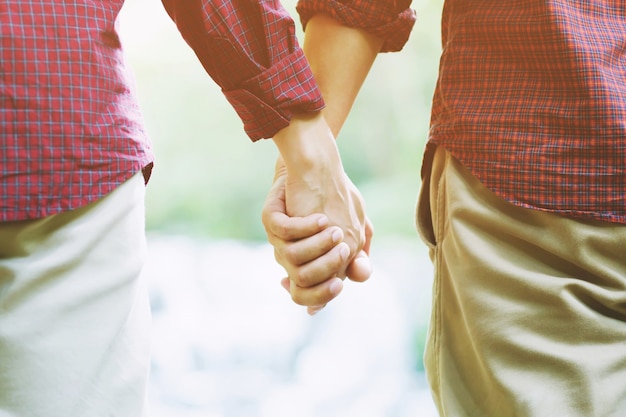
(298, 298)
(301, 278)
(265, 217)
(273, 240)
(278, 256)
(284, 232)
(291, 254)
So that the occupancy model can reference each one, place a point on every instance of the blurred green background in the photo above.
(211, 181)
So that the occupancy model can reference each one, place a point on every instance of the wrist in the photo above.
(307, 145)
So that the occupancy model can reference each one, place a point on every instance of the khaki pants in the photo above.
(74, 317)
(529, 308)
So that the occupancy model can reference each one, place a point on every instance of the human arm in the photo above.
(340, 57)
(312, 180)
(249, 48)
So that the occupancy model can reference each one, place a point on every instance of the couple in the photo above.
(522, 204)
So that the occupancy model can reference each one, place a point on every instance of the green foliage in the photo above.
(210, 180)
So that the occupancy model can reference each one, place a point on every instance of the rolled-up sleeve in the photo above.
(391, 20)
(250, 49)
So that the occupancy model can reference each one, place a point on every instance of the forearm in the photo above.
(307, 144)
(340, 58)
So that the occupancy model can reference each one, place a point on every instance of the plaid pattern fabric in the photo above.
(391, 20)
(250, 49)
(531, 98)
(70, 127)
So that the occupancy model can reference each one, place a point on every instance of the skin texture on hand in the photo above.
(309, 180)
(308, 247)
(340, 58)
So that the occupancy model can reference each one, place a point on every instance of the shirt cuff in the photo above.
(391, 20)
(266, 102)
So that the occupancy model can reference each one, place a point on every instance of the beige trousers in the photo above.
(74, 317)
(529, 308)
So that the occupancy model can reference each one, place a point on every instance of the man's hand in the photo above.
(311, 250)
(315, 181)
(312, 178)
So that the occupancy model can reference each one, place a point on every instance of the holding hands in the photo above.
(314, 216)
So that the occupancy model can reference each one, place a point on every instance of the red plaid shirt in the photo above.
(531, 97)
(70, 127)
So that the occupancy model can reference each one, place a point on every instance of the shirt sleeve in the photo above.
(391, 20)
(250, 49)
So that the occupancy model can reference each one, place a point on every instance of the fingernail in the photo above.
(344, 251)
(323, 221)
(364, 265)
(337, 235)
(336, 286)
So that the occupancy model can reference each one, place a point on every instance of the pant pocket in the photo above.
(431, 168)
(423, 215)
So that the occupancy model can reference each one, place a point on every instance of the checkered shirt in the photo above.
(70, 127)
(531, 97)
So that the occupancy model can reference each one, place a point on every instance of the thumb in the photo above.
(360, 268)
(274, 204)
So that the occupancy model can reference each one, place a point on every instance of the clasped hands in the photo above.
(314, 216)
